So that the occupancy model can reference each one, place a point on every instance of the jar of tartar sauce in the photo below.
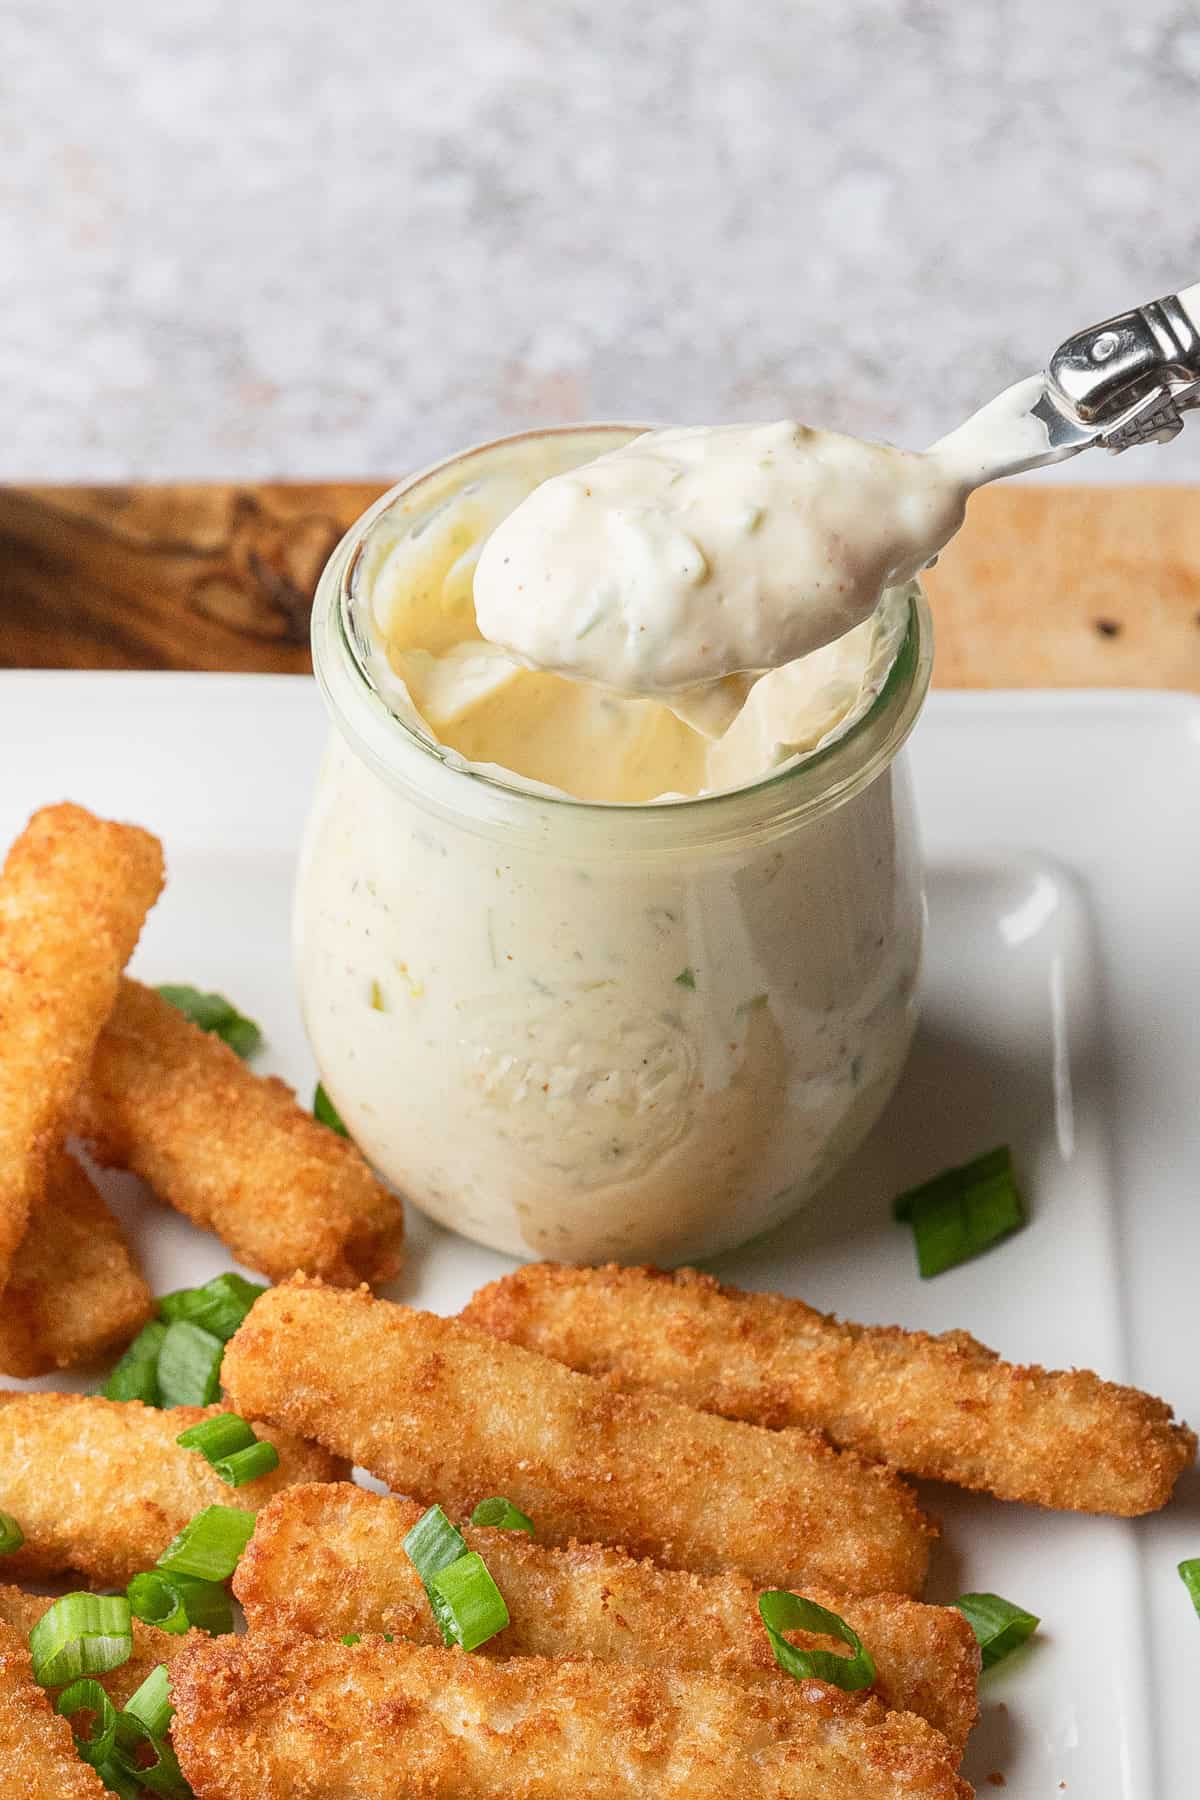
(590, 1031)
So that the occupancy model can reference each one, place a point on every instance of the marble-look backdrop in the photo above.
(261, 237)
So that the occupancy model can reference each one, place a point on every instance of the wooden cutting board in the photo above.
(1045, 586)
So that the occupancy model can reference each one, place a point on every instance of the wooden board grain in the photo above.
(1045, 586)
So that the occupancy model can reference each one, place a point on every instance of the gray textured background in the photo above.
(275, 237)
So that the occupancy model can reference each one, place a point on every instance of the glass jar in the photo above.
(588, 1031)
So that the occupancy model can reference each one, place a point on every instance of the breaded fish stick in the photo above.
(233, 1150)
(150, 1646)
(442, 1412)
(329, 1560)
(38, 1758)
(74, 891)
(100, 1486)
(75, 1290)
(296, 1717)
(944, 1407)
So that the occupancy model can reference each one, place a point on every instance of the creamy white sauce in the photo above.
(559, 1035)
(418, 584)
(689, 556)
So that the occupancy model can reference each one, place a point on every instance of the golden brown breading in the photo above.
(297, 1718)
(38, 1758)
(100, 1486)
(944, 1407)
(74, 891)
(75, 1290)
(150, 1646)
(234, 1151)
(442, 1412)
(329, 1559)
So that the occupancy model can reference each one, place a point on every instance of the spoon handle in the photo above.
(1125, 381)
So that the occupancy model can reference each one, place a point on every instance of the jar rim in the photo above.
(784, 796)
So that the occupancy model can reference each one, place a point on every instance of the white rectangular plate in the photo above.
(1063, 843)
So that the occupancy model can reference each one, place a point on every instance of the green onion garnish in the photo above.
(327, 1112)
(217, 1437)
(142, 1725)
(781, 1611)
(686, 978)
(1000, 1626)
(1189, 1574)
(433, 1544)
(114, 1777)
(963, 1211)
(503, 1515)
(210, 1545)
(174, 1602)
(219, 1306)
(255, 1460)
(89, 1696)
(135, 1377)
(229, 1444)
(11, 1535)
(352, 1637)
(189, 1365)
(467, 1604)
(156, 1600)
(212, 1012)
(81, 1634)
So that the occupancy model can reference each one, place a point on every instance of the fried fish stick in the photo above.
(298, 1717)
(22, 1611)
(74, 1290)
(329, 1559)
(944, 1407)
(233, 1150)
(443, 1412)
(38, 1758)
(74, 891)
(100, 1486)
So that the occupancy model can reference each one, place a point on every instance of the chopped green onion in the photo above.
(210, 1545)
(11, 1535)
(151, 1704)
(81, 1634)
(781, 1611)
(135, 1377)
(999, 1626)
(212, 1012)
(433, 1544)
(352, 1637)
(217, 1437)
(229, 1444)
(142, 1724)
(327, 1112)
(963, 1211)
(686, 978)
(467, 1604)
(175, 1602)
(189, 1365)
(250, 1464)
(1189, 1574)
(219, 1306)
(503, 1515)
(155, 1600)
(118, 1781)
(89, 1696)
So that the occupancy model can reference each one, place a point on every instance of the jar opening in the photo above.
(347, 660)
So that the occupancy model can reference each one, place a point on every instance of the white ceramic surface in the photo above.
(1064, 857)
